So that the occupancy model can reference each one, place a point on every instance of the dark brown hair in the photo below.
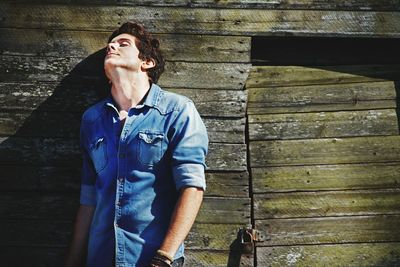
(148, 46)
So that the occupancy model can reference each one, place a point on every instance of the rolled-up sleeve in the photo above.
(88, 175)
(189, 147)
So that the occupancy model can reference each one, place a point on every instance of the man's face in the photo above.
(123, 53)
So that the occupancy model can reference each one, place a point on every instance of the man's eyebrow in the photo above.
(121, 39)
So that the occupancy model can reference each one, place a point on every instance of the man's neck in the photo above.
(129, 91)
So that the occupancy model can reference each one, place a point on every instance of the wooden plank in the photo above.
(26, 206)
(221, 103)
(352, 255)
(388, 5)
(212, 236)
(65, 152)
(204, 21)
(66, 124)
(325, 151)
(330, 97)
(326, 177)
(224, 211)
(330, 230)
(323, 124)
(57, 234)
(217, 258)
(70, 96)
(270, 76)
(176, 75)
(328, 203)
(67, 180)
(229, 184)
(175, 47)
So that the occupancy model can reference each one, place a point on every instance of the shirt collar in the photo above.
(151, 100)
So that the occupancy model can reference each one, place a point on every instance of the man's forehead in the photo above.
(125, 36)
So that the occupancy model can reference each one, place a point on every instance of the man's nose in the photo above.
(111, 47)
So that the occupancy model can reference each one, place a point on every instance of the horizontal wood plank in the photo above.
(323, 124)
(227, 184)
(176, 75)
(67, 180)
(217, 258)
(325, 151)
(175, 47)
(269, 76)
(328, 97)
(352, 255)
(65, 152)
(204, 21)
(66, 124)
(388, 5)
(330, 230)
(320, 204)
(27, 206)
(326, 177)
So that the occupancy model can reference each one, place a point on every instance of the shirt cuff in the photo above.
(189, 175)
(88, 195)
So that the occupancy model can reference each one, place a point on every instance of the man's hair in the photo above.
(148, 46)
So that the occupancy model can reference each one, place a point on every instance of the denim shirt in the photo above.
(133, 174)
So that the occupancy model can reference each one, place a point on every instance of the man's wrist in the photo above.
(162, 259)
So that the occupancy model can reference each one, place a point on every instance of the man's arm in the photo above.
(183, 217)
(78, 247)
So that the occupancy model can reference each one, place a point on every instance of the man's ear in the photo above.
(148, 64)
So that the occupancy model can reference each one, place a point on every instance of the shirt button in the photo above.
(121, 179)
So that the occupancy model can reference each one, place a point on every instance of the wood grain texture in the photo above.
(176, 75)
(327, 97)
(329, 203)
(330, 230)
(353, 255)
(204, 21)
(323, 124)
(325, 151)
(65, 152)
(215, 258)
(388, 5)
(270, 76)
(326, 177)
(175, 47)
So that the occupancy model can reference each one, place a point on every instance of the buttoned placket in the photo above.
(121, 174)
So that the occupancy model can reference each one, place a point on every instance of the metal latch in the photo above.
(247, 237)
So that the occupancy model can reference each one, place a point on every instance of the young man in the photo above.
(143, 163)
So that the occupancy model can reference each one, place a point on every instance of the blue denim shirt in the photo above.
(132, 174)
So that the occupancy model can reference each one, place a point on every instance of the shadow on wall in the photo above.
(40, 162)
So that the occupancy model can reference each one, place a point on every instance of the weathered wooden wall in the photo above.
(51, 70)
(325, 164)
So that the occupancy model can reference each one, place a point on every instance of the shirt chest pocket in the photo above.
(98, 153)
(151, 148)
